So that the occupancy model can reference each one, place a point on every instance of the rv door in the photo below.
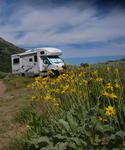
(46, 64)
(15, 65)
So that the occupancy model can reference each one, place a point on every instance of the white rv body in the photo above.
(37, 61)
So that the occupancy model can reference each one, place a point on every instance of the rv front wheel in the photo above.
(54, 74)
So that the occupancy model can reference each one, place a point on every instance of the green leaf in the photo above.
(72, 145)
(121, 134)
(104, 128)
(123, 108)
(72, 123)
(76, 140)
(112, 137)
(60, 146)
(60, 137)
(40, 142)
(64, 124)
(88, 133)
(97, 139)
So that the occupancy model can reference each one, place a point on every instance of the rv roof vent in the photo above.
(30, 50)
(42, 52)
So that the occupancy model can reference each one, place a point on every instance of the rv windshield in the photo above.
(55, 59)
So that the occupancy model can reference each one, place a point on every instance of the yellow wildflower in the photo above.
(108, 68)
(48, 97)
(110, 111)
(56, 104)
(34, 97)
(90, 78)
(105, 94)
(29, 86)
(94, 72)
(65, 88)
(56, 90)
(109, 86)
(116, 70)
(83, 82)
(73, 90)
(38, 78)
(117, 86)
(99, 79)
(105, 120)
(110, 95)
(28, 126)
(81, 74)
(102, 119)
(50, 71)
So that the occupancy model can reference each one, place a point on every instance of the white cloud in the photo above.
(61, 26)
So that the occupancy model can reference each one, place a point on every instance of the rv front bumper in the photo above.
(62, 70)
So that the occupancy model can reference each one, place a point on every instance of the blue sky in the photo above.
(81, 28)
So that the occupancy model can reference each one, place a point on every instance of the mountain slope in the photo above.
(6, 50)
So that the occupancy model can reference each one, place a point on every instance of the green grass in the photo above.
(25, 114)
(17, 81)
(3, 75)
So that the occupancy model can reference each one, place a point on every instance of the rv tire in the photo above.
(23, 74)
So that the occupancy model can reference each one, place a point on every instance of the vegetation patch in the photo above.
(84, 108)
(25, 114)
(3, 75)
(15, 99)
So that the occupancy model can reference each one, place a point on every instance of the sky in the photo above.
(81, 28)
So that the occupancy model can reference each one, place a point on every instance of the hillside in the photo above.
(6, 50)
(116, 61)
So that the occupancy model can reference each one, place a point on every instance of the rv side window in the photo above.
(16, 61)
(30, 59)
(42, 52)
(35, 58)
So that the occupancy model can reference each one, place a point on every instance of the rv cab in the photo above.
(53, 62)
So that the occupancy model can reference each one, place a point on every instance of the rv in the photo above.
(37, 61)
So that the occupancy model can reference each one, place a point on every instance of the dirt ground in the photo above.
(11, 101)
(2, 88)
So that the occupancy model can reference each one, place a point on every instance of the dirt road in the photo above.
(2, 88)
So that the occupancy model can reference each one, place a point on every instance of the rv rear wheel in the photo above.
(23, 74)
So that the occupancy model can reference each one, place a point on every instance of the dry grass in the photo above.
(11, 102)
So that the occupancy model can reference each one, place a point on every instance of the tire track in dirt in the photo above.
(2, 88)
